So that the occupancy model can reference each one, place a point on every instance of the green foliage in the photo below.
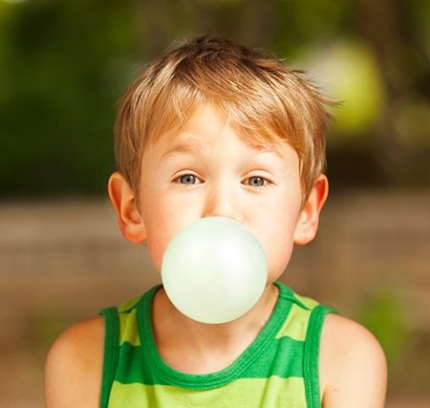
(64, 63)
(61, 75)
(384, 315)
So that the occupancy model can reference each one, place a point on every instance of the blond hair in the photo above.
(266, 101)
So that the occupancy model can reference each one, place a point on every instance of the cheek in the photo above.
(278, 242)
(159, 229)
(163, 221)
(279, 254)
(278, 261)
(156, 248)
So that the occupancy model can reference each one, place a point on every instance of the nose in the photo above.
(222, 200)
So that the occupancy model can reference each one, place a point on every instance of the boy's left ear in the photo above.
(307, 225)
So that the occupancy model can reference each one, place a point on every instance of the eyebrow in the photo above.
(193, 145)
(186, 146)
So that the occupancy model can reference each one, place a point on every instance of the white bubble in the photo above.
(214, 271)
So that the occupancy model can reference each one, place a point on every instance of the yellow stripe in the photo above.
(308, 302)
(128, 305)
(249, 393)
(296, 324)
(128, 328)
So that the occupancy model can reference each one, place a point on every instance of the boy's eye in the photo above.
(187, 179)
(256, 181)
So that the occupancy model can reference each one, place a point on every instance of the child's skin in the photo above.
(204, 169)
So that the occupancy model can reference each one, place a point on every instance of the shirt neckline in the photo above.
(170, 376)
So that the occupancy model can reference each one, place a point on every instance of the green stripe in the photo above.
(110, 357)
(311, 361)
(284, 360)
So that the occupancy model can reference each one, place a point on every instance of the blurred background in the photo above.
(63, 65)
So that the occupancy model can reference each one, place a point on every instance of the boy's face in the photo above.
(205, 169)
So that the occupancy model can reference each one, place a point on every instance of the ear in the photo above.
(307, 226)
(125, 205)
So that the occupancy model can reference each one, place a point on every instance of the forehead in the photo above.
(209, 135)
(209, 119)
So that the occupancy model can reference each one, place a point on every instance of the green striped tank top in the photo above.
(279, 369)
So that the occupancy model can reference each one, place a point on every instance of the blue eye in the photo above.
(256, 181)
(187, 179)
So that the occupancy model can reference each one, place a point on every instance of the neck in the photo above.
(198, 348)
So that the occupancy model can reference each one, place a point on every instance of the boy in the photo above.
(214, 129)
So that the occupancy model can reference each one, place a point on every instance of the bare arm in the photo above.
(353, 369)
(74, 367)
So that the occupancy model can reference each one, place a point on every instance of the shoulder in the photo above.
(353, 369)
(74, 366)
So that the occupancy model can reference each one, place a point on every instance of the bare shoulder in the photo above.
(74, 366)
(353, 370)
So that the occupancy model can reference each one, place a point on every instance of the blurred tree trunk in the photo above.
(155, 21)
(163, 21)
(389, 28)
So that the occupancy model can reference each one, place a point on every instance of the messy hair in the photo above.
(266, 101)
